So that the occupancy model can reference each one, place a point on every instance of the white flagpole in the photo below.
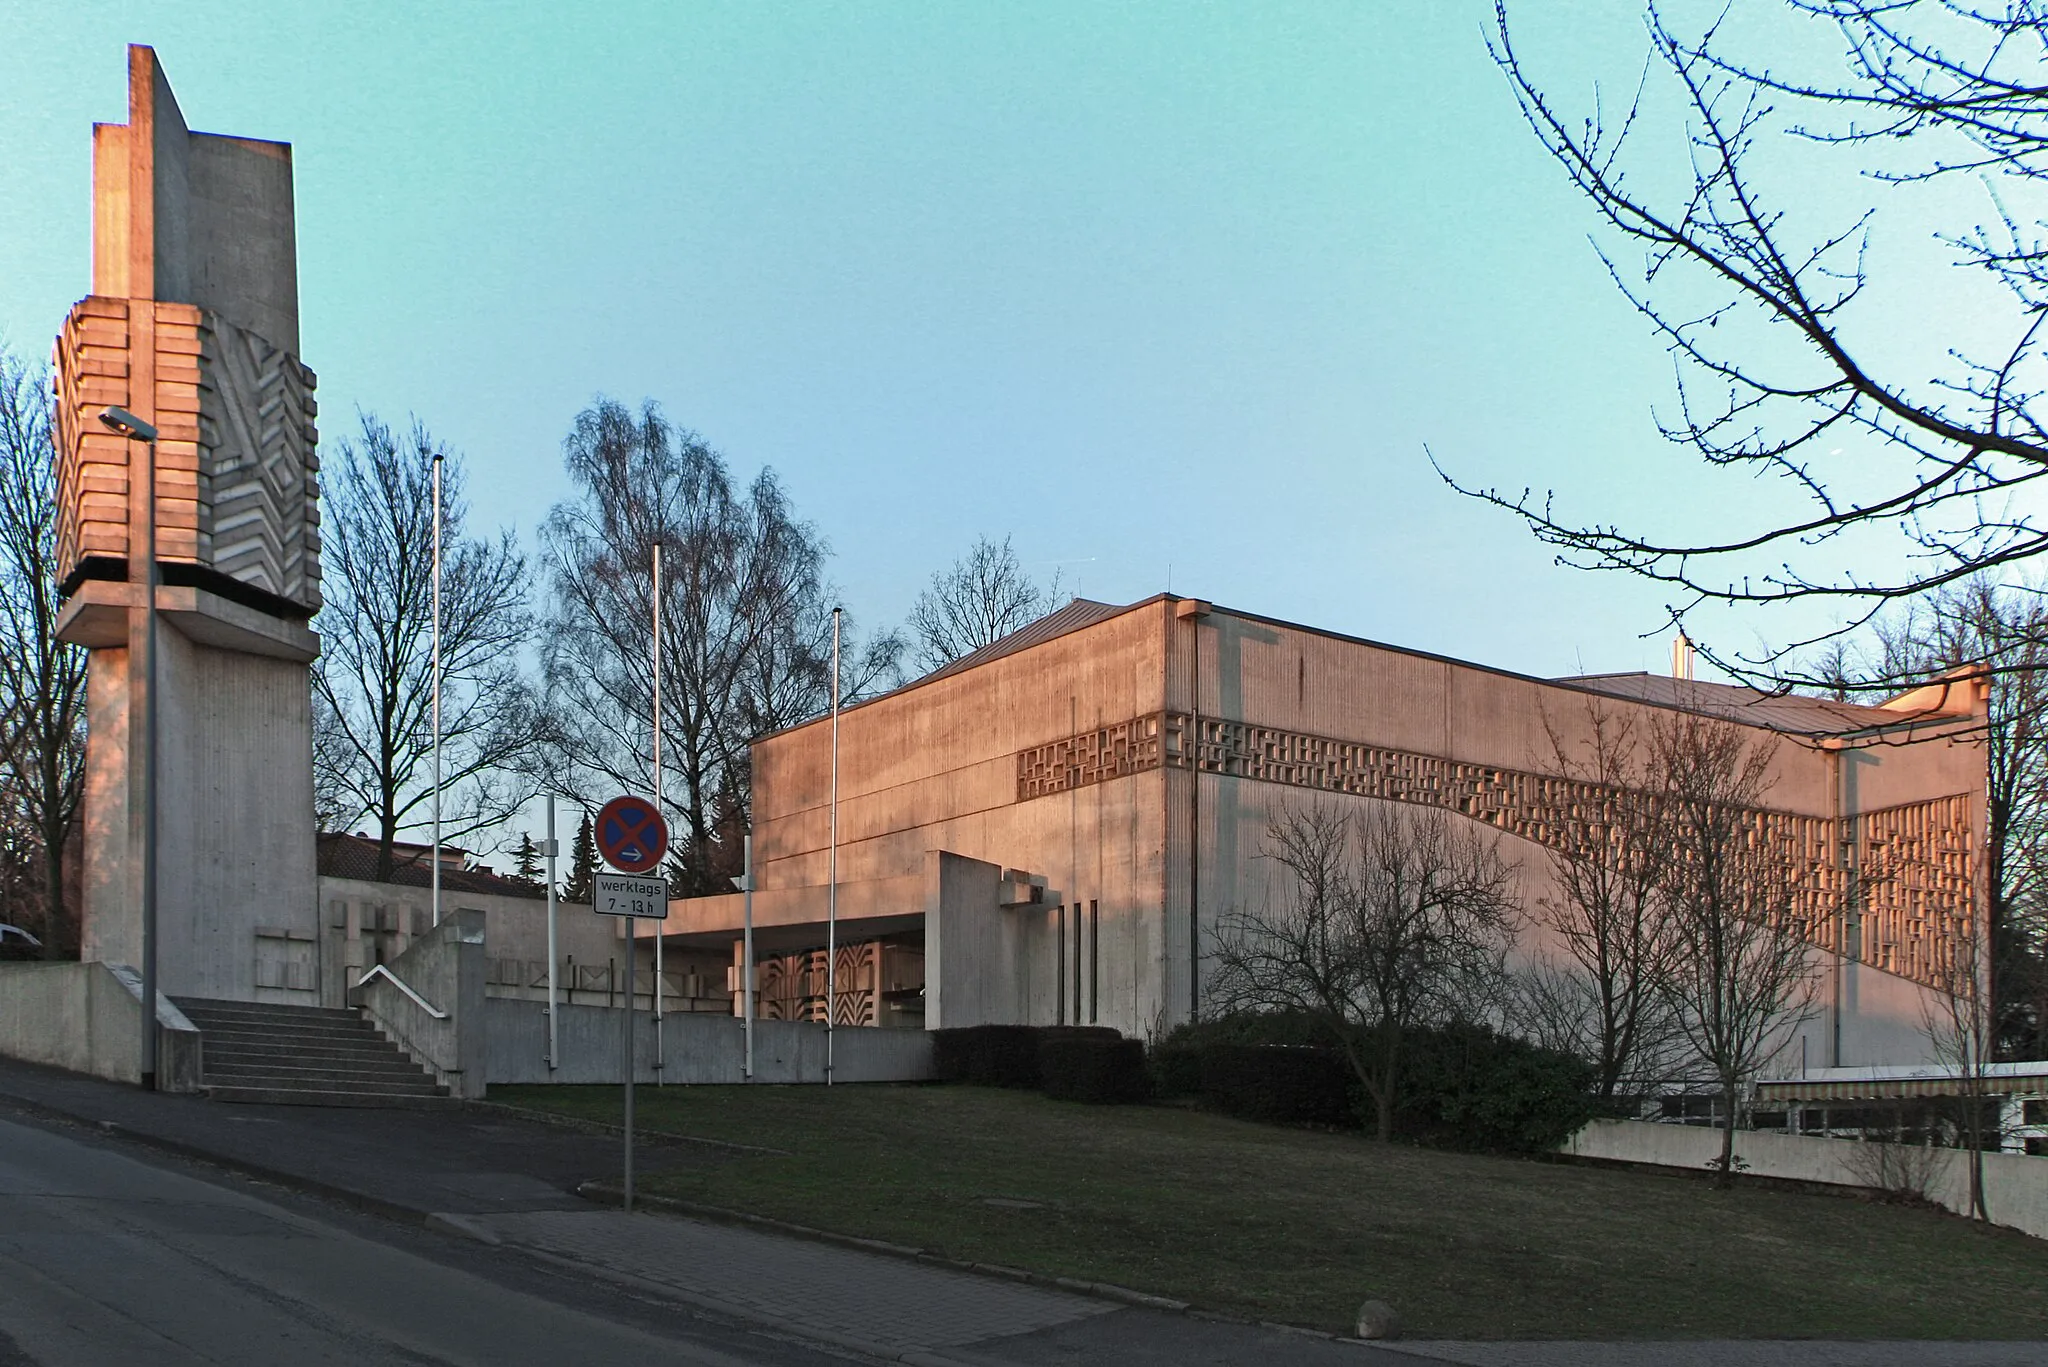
(554, 1013)
(660, 1056)
(436, 896)
(832, 869)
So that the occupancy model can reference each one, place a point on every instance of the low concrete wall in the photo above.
(2015, 1185)
(87, 1017)
(446, 968)
(699, 1047)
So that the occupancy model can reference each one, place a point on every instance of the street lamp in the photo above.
(142, 679)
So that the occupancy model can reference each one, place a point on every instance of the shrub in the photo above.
(1000, 1055)
(1176, 1069)
(1463, 1086)
(1469, 1087)
(1091, 1068)
(987, 1055)
(1292, 1084)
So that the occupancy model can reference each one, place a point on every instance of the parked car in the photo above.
(16, 943)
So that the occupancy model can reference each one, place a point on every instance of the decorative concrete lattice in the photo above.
(1107, 752)
(1915, 880)
(237, 477)
(1917, 866)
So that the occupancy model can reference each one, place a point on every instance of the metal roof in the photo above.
(1791, 713)
(1081, 613)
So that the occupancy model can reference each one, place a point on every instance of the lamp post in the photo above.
(142, 672)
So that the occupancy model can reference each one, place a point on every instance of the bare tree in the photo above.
(1752, 262)
(42, 680)
(745, 618)
(1742, 972)
(1608, 861)
(1393, 919)
(984, 596)
(1963, 1028)
(374, 684)
(2004, 630)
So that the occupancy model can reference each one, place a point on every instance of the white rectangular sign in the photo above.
(622, 894)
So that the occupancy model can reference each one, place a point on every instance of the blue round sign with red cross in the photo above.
(631, 835)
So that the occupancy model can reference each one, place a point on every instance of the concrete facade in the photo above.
(193, 327)
(1062, 819)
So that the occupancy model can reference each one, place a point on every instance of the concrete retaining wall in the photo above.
(87, 1017)
(699, 1048)
(2015, 1185)
(446, 968)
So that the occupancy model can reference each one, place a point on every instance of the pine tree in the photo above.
(582, 865)
(526, 863)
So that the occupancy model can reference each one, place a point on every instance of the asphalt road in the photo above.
(106, 1258)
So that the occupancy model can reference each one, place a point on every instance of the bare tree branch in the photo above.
(373, 687)
(1391, 919)
(984, 596)
(1782, 371)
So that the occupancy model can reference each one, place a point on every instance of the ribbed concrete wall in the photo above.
(237, 902)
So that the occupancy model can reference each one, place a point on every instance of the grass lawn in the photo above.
(1300, 1225)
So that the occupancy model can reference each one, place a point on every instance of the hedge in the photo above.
(1001, 1055)
(1461, 1086)
(1289, 1083)
(1091, 1068)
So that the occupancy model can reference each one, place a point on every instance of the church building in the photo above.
(1050, 829)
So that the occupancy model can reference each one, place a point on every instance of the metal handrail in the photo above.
(417, 1000)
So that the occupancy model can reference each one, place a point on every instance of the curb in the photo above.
(607, 1193)
(886, 1352)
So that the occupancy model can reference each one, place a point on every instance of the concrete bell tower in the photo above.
(193, 326)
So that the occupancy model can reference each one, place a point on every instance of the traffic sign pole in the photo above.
(630, 955)
(632, 837)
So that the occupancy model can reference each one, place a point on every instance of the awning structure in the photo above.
(1890, 1085)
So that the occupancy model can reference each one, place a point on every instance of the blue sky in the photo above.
(1154, 289)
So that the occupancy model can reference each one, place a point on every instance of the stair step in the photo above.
(289, 1052)
(397, 1069)
(360, 1097)
(271, 1053)
(291, 1082)
(265, 1009)
(319, 1034)
(341, 1020)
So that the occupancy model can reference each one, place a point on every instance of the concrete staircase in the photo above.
(304, 1056)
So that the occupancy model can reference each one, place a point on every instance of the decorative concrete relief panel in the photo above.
(1913, 891)
(791, 987)
(261, 474)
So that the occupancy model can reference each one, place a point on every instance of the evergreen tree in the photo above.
(526, 863)
(582, 865)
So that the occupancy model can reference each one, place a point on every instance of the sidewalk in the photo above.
(509, 1182)
(504, 1180)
